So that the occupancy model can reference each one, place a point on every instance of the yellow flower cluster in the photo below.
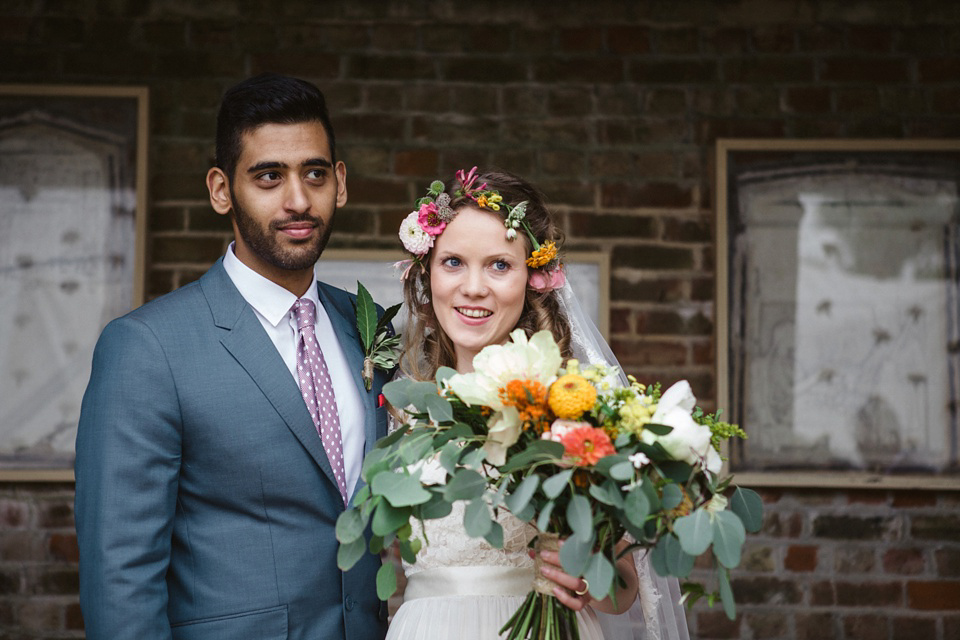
(570, 396)
(634, 414)
(490, 201)
(542, 256)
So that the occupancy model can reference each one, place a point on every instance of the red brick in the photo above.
(716, 624)
(652, 194)
(64, 547)
(865, 70)
(374, 191)
(767, 625)
(416, 162)
(903, 561)
(778, 69)
(581, 39)
(914, 629)
(620, 321)
(948, 562)
(73, 617)
(867, 496)
(866, 627)
(871, 38)
(801, 558)
(649, 352)
(869, 594)
(816, 626)
(934, 596)
(628, 39)
(807, 99)
(774, 39)
(14, 514)
(676, 41)
(945, 69)
(907, 499)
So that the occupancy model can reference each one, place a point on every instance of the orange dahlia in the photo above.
(571, 395)
(586, 445)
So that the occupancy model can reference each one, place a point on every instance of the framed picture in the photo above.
(588, 272)
(73, 162)
(838, 317)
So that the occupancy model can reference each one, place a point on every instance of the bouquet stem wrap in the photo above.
(544, 542)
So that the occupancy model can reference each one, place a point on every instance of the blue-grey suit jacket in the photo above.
(205, 504)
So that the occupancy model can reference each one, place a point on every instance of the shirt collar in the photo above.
(270, 300)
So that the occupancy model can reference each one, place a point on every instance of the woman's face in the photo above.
(478, 279)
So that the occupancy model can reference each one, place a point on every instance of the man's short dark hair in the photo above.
(268, 98)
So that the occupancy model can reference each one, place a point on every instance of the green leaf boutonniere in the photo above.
(381, 349)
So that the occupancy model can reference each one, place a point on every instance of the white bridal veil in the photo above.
(657, 613)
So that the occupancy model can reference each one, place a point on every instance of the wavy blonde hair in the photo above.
(426, 346)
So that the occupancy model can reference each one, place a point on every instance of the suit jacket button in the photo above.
(348, 603)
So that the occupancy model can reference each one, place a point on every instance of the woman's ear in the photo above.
(219, 188)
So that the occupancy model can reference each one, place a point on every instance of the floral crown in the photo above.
(419, 229)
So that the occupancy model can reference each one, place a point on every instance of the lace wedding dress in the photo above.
(461, 587)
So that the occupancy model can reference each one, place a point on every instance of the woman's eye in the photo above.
(501, 265)
(452, 262)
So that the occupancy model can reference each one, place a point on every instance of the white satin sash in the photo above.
(469, 581)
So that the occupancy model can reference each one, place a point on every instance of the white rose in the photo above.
(688, 441)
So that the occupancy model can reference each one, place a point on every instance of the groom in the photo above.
(218, 441)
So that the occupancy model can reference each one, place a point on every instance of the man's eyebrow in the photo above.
(260, 166)
(316, 162)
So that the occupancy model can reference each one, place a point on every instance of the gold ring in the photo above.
(586, 587)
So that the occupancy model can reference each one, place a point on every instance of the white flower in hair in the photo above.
(414, 238)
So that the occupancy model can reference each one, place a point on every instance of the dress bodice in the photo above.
(446, 544)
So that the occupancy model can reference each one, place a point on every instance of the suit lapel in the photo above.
(248, 343)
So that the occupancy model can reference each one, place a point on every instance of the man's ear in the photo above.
(219, 188)
(341, 171)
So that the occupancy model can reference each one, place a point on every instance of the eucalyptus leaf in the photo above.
(414, 448)
(672, 496)
(376, 544)
(494, 537)
(728, 538)
(555, 484)
(636, 506)
(450, 457)
(466, 484)
(439, 409)
(348, 553)
(726, 592)
(477, 519)
(748, 505)
(536, 451)
(651, 492)
(418, 392)
(457, 431)
(527, 513)
(444, 374)
(362, 494)
(436, 507)
(387, 518)
(679, 563)
(395, 392)
(474, 459)
(603, 495)
(575, 553)
(658, 557)
(695, 532)
(386, 581)
(400, 489)
(350, 525)
(580, 516)
(622, 471)
(366, 317)
(543, 520)
(388, 440)
(599, 575)
(679, 472)
(407, 552)
(377, 461)
(519, 498)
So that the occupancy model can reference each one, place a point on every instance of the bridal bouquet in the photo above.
(568, 449)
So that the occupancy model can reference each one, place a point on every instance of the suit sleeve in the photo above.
(128, 460)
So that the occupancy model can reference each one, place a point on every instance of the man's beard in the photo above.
(263, 242)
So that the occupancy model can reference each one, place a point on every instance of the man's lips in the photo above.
(297, 230)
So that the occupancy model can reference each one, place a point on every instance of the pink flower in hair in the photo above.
(467, 179)
(430, 220)
(544, 281)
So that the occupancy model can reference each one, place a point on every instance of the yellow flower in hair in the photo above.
(494, 201)
(482, 201)
(542, 256)
(570, 396)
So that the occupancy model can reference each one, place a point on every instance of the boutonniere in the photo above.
(381, 348)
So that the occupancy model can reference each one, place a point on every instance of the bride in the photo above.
(483, 266)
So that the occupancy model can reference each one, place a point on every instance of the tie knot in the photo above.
(305, 312)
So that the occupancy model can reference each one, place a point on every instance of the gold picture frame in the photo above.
(837, 311)
(73, 232)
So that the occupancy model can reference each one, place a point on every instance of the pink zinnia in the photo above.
(586, 445)
(429, 219)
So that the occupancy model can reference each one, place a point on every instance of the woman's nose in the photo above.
(474, 284)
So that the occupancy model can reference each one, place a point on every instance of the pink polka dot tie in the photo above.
(317, 389)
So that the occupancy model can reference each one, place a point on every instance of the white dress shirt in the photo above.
(273, 306)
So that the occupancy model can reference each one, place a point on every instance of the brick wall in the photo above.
(612, 108)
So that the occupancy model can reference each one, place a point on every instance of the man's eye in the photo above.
(317, 174)
(269, 176)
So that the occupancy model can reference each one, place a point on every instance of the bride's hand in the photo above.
(571, 591)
